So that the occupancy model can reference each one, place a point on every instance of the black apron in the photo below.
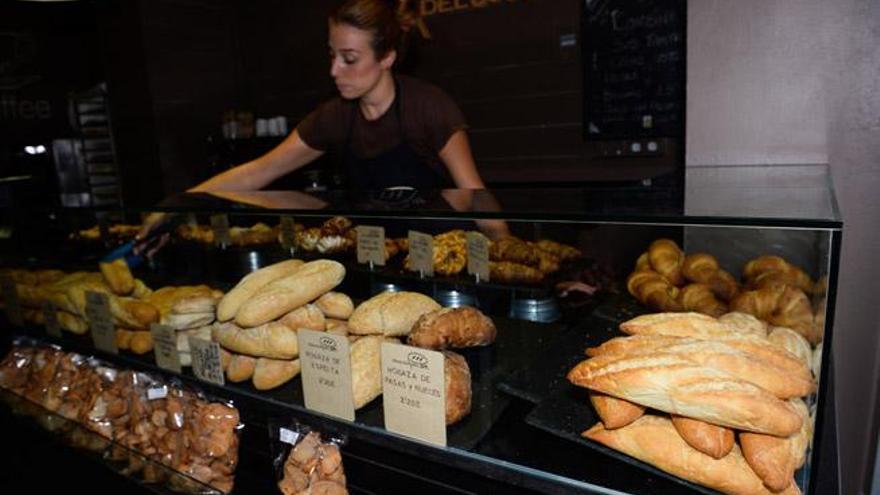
(399, 166)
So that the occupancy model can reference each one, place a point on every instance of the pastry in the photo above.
(452, 327)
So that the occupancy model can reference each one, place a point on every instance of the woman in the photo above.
(391, 130)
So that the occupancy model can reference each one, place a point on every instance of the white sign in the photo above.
(101, 321)
(326, 373)
(206, 361)
(165, 347)
(414, 392)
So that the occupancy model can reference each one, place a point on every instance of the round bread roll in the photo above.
(335, 305)
(390, 313)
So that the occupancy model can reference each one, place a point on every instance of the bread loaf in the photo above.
(241, 368)
(337, 327)
(744, 323)
(366, 369)
(694, 325)
(390, 313)
(457, 377)
(452, 327)
(123, 339)
(675, 384)
(654, 440)
(250, 284)
(307, 316)
(272, 340)
(72, 323)
(271, 373)
(118, 276)
(792, 342)
(335, 305)
(285, 294)
(775, 459)
(714, 441)
(141, 342)
(186, 321)
(614, 412)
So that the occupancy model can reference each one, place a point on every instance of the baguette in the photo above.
(250, 284)
(391, 313)
(335, 305)
(675, 384)
(271, 373)
(272, 340)
(775, 459)
(187, 321)
(366, 369)
(118, 276)
(714, 441)
(241, 368)
(305, 284)
(614, 412)
(308, 317)
(792, 342)
(744, 323)
(694, 325)
(654, 440)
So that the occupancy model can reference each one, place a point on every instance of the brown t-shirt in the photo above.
(428, 118)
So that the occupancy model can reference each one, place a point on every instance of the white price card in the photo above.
(326, 373)
(421, 253)
(371, 245)
(206, 360)
(10, 298)
(288, 232)
(220, 226)
(478, 255)
(414, 392)
(101, 321)
(156, 393)
(50, 316)
(165, 347)
(288, 436)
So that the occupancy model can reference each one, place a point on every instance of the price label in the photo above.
(101, 321)
(165, 347)
(478, 256)
(371, 245)
(288, 232)
(326, 373)
(220, 226)
(10, 298)
(414, 392)
(50, 316)
(421, 253)
(288, 436)
(206, 360)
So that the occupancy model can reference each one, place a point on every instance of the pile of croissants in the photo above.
(772, 289)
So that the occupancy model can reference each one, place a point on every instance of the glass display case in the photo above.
(598, 332)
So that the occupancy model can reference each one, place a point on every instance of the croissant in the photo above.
(515, 250)
(654, 290)
(701, 298)
(561, 251)
(703, 268)
(666, 258)
(783, 306)
(774, 270)
(508, 271)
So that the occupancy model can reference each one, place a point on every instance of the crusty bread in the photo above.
(614, 412)
(335, 305)
(390, 313)
(694, 325)
(457, 378)
(793, 342)
(307, 316)
(272, 340)
(775, 459)
(712, 440)
(118, 276)
(305, 284)
(366, 369)
(453, 327)
(187, 321)
(744, 323)
(677, 385)
(241, 368)
(72, 323)
(654, 440)
(785, 382)
(271, 373)
(250, 284)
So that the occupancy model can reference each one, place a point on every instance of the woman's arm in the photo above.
(456, 155)
(256, 174)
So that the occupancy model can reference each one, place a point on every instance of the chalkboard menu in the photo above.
(634, 68)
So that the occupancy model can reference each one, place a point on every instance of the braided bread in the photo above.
(764, 271)
(781, 305)
(704, 269)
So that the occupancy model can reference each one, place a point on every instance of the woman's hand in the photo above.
(148, 244)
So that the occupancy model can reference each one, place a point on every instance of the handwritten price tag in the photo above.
(414, 392)
(206, 361)
(371, 245)
(421, 253)
(326, 373)
(478, 255)
(165, 347)
(101, 321)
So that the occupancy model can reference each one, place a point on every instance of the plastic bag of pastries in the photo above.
(307, 461)
(156, 427)
(41, 372)
(14, 368)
